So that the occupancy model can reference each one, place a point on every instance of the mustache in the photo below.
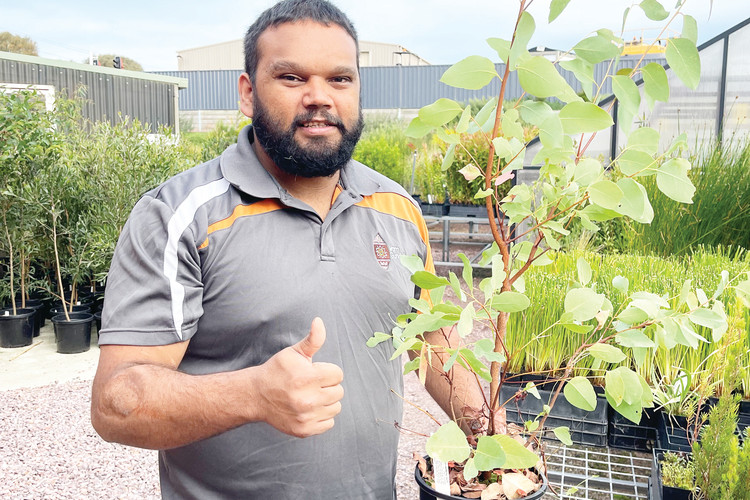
(330, 119)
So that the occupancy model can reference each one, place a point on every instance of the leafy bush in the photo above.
(220, 138)
(385, 148)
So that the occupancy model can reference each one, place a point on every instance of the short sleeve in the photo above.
(153, 293)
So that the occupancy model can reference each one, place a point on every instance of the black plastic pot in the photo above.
(674, 433)
(626, 435)
(657, 489)
(427, 493)
(78, 308)
(16, 330)
(74, 335)
(38, 307)
(586, 427)
(98, 320)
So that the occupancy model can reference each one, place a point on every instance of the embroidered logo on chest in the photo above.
(382, 253)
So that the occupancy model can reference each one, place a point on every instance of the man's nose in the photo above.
(317, 94)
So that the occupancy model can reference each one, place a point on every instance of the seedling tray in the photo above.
(626, 435)
(587, 428)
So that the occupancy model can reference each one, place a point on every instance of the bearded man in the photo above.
(243, 291)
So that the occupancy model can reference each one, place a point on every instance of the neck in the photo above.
(315, 191)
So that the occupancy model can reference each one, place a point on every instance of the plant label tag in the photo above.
(442, 481)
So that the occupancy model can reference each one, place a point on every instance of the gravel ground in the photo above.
(49, 450)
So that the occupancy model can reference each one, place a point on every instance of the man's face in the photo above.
(305, 98)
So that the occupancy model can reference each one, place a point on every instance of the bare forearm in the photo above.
(457, 392)
(156, 407)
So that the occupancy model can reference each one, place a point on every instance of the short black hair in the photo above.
(290, 11)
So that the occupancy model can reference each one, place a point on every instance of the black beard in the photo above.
(316, 160)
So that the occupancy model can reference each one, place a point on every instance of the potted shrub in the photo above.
(573, 189)
(27, 145)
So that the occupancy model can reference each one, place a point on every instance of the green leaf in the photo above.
(417, 128)
(450, 155)
(584, 271)
(485, 348)
(644, 139)
(607, 353)
(377, 338)
(614, 386)
(742, 290)
(654, 10)
(596, 49)
(501, 46)
(689, 28)
(583, 303)
(627, 93)
(580, 393)
(486, 111)
(466, 321)
(587, 171)
(633, 316)
(582, 117)
(483, 193)
(551, 132)
(583, 71)
(530, 387)
(563, 434)
(463, 122)
(489, 454)
(636, 163)
(412, 263)
(605, 194)
(621, 283)
(708, 318)
(510, 302)
(467, 273)
(440, 112)
(634, 338)
(632, 389)
(428, 281)
(573, 327)
(517, 456)
(655, 82)
(471, 73)
(475, 364)
(470, 470)
(539, 77)
(524, 32)
(683, 58)
(511, 126)
(555, 9)
(448, 443)
(673, 181)
(535, 112)
(635, 202)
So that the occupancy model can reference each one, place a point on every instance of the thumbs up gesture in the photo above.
(300, 397)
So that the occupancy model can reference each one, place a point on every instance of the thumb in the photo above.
(314, 340)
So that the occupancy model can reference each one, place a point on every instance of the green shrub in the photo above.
(220, 138)
(385, 148)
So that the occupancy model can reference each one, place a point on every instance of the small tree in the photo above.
(18, 44)
(107, 60)
(531, 225)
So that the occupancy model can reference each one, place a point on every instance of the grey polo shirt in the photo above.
(223, 256)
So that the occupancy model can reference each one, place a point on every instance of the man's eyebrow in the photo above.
(291, 67)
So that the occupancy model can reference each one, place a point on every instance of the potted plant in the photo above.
(27, 145)
(573, 189)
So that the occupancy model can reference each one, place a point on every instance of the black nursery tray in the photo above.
(587, 428)
(626, 435)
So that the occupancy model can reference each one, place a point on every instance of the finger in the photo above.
(314, 340)
(328, 374)
(331, 395)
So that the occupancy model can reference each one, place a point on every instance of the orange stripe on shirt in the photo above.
(403, 208)
(258, 208)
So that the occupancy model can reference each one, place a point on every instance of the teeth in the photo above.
(316, 124)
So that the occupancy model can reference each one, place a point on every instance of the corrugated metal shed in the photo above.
(146, 97)
(383, 87)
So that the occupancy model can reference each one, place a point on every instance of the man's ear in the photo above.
(245, 87)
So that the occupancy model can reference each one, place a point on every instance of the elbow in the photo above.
(112, 403)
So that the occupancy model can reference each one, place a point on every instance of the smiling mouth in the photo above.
(317, 124)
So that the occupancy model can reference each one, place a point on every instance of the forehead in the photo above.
(306, 43)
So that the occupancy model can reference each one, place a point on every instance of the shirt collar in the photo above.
(241, 167)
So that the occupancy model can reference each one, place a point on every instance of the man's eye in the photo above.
(291, 78)
(342, 79)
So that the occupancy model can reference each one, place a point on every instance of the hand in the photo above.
(301, 397)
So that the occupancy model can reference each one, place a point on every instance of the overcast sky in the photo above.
(440, 31)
